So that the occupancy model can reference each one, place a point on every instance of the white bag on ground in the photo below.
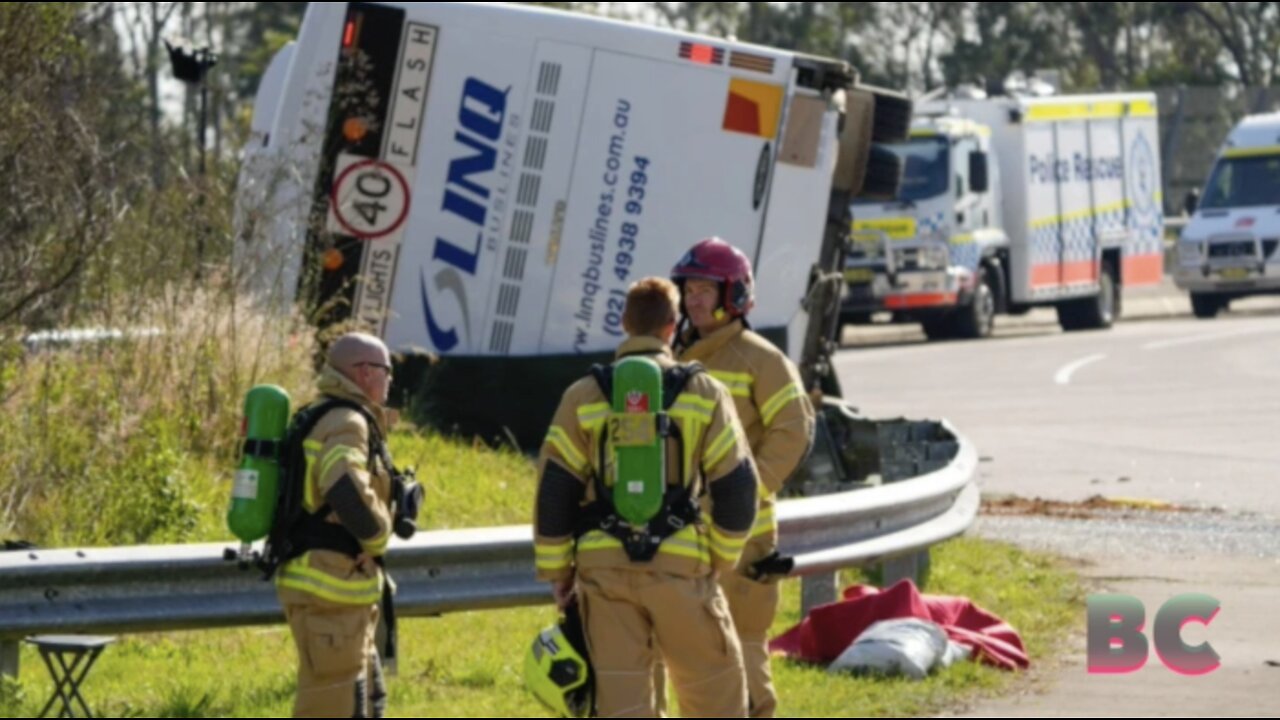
(907, 646)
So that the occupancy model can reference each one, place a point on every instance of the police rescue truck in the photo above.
(1009, 203)
(484, 181)
(1228, 249)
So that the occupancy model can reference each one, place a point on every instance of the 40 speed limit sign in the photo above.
(369, 199)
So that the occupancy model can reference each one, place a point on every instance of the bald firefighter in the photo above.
(330, 584)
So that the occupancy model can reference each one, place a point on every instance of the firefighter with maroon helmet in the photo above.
(717, 294)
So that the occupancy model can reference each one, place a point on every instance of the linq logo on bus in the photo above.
(480, 116)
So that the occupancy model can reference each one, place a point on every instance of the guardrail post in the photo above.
(913, 567)
(9, 658)
(815, 590)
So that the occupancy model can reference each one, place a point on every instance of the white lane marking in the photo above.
(1064, 375)
(1210, 337)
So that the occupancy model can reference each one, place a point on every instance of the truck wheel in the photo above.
(1093, 313)
(1206, 305)
(1106, 305)
(977, 319)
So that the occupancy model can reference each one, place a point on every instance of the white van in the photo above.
(1228, 249)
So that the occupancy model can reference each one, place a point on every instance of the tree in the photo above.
(1002, 37)
(146, 25)
(67, 154)
(253, 33)
(1249, 33)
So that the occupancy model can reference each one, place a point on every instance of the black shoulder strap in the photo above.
(377, 445)
(603, 375)
(675, 379)
(294, 531)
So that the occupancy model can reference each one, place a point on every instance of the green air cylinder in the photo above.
(253, 495)
(638, 450)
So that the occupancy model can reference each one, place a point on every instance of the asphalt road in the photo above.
(1177, 411)
(1181, 410)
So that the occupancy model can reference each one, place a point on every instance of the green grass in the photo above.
(1034, 593)
(468, 665)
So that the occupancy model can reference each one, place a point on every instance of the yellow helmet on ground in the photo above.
(557, 668)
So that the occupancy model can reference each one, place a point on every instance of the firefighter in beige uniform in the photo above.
(672, 598)
(776, 414)
(330, 593)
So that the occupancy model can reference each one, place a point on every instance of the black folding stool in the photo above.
(82, 651)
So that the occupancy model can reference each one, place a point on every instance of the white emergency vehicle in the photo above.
(1228, 249)
(1009, 203)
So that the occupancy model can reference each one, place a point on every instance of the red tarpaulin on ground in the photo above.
(830, 629)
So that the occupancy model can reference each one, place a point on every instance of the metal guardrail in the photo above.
(190, 587)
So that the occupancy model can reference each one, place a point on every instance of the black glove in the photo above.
(408, 495)
(771, 565)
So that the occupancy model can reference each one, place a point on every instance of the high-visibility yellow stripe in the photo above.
(298, 575)
(314, 587)
(339, 453)
(308, 486)
(726, 552)
(726, 377)
(726, 547)
(766, 522)
(545, 548)
(1111, 109)
(731, 557)
(719, 447)
(597, 540)
(1142, 108)
(302, 567)
(593, 415)
(552, 564)
(738, 389)
(776, 403)
(693, 427)
(559, 439)
(696, 400)
(1080, 214)
(686, 543)
(690, 414)
(1249, 152)
(739, 384)
(895, 228)
(553, 557)
(377, 546)
(728, 542)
